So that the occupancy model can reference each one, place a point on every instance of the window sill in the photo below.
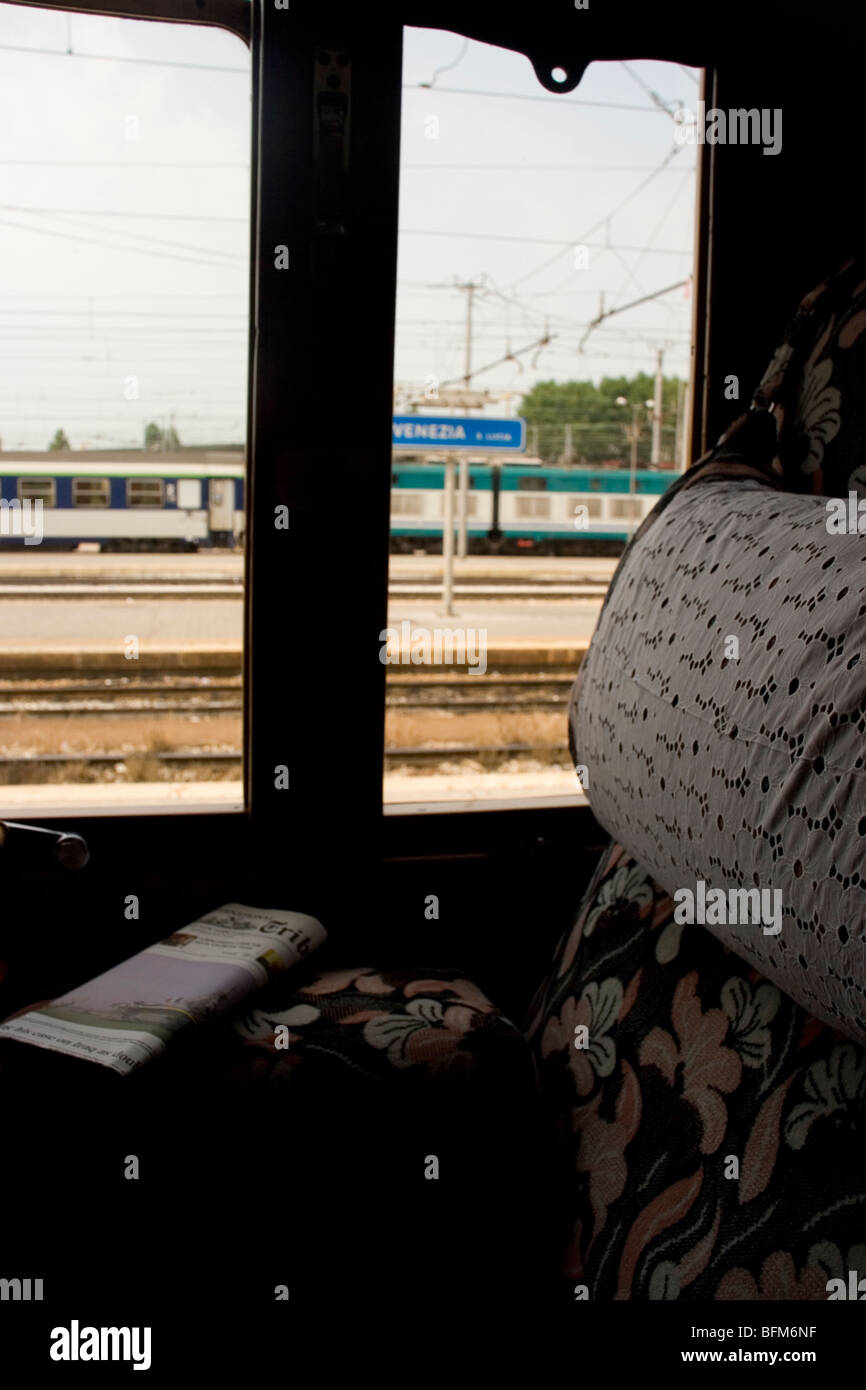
(41, 802)
(507, 803)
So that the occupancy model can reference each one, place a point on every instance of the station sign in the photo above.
(422, 432)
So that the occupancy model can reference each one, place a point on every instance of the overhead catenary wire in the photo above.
(121, 164)
(115, 330)
(123, 58)
(448, 67)
(532, 168)
(582, 240)
(653, 96)
(531, 96)
(74, 220)
(113, 212)
(126, 250)
(566, 243)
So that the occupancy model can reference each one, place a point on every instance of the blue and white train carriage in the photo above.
(195, 500)
(161, 502)
(524, 507)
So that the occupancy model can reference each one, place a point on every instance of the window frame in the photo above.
(145, 506)
(192, 848)
(532, 506)
(401, 500)
(625, 506)
(96, 506)
(29, 478)
(335, 786)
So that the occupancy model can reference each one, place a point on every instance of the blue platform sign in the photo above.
(457, 432)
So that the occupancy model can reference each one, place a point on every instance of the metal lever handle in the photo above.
(68, 850)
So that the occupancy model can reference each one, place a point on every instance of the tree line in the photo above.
(155, 439)
(584, 423)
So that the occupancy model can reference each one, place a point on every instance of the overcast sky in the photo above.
(124, 195)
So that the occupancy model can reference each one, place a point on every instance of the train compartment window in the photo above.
(42, 490)
(126, 373)
(593, 505)
(626, 508)
(525, 507)
(91, 492)
(471, 505)
(407, 503)
(544, 329)
(145, 492)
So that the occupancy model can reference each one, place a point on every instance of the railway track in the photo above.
(162, 695)
(494, 693)
(144, 700)
(44, 709)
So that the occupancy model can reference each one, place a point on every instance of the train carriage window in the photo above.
(626, 508)
(546, 255)
(91, 492)
(471, 505)
(42, 490)
(124, 328)
(407, 503)
(593, 505)
(532, 506)
(145, 492)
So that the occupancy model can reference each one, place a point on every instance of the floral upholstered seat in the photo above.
(711, 1125)
(378, 1026)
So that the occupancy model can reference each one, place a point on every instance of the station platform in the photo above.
(49, 658)
(225, 566)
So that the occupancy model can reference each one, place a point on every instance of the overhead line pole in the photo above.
(608, 313)
(656, 454)
(470, 287)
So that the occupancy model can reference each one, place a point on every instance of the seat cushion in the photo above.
(714, 1129)
(363, 1025)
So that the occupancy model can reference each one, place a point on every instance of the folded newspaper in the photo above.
(127, 1016)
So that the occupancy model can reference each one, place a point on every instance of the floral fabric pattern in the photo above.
(715, 1129)
(380, 1026)
(812, 393)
